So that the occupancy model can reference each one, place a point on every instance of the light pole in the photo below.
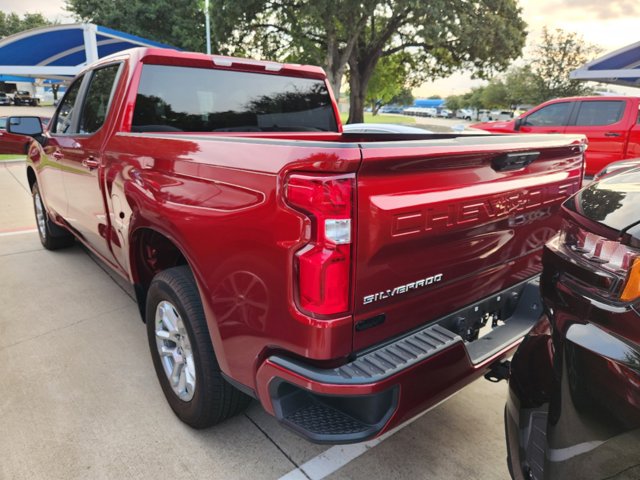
(208, 25)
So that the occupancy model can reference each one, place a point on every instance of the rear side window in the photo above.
(606, 112)
(206, 100)
(98, 98)
(66, 111)
(3, 123)
(555, 114)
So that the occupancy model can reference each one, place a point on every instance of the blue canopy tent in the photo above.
(621, 67)
(61, 51)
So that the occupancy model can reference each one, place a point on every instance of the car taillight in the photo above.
(323, 265)
(610, 255)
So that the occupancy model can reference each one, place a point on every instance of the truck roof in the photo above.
(165, 56)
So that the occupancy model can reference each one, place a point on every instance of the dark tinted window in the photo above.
(208, 100)
(97, 99)
(555, 114)
(65, 116)
(600, 112)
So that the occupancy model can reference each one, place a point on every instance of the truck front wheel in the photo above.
(51, 235)
(182, 352)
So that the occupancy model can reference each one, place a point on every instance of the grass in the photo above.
(12, 156)
(381, 118)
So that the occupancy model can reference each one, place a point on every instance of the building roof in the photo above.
(621, 67)
(61, 51)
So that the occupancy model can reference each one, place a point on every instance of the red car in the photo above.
(343, 280)
(610, 124)
(574, 399)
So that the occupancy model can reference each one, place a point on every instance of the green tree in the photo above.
(389, 82)
(454, 102)
(495, 95)
(440, 35)
(176, 22)
(521, 86)
(11, 23)
(556, 54)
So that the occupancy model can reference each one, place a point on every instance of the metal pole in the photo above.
(208, 25)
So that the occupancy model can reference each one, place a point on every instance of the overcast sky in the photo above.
(608, 23)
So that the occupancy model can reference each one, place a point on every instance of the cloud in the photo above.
(604, 9)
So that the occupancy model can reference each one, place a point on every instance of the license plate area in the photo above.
(498, 321)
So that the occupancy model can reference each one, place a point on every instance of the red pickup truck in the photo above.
(611, 125)
(344, 280)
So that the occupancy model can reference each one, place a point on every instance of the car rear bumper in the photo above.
(387, 385)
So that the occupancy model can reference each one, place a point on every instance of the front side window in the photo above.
(605, 112)
(186, 99)
(65, 116)
(553, 115)
(97, 99)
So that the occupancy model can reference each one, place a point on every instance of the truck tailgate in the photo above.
(442, 224)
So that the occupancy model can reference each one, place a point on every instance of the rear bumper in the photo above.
(392, 383)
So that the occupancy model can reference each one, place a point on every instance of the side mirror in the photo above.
(519, 123)
(29, 126)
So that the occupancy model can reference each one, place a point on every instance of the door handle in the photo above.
(58, 155)
(90, 163)
(612, 134)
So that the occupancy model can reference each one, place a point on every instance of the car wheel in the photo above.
(51, 235)
(182, 352)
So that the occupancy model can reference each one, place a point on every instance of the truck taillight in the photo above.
(609, 255)
(323, 265)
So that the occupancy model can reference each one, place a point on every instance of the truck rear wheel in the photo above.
(51, 235)
(183, 355)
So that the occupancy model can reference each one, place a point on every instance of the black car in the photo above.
(573, 410)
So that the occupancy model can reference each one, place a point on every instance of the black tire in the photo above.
(52, 236)
(214, 399)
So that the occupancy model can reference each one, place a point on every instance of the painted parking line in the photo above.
(7, 233)
(334, 458)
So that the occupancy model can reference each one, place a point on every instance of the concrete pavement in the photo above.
(80, 398)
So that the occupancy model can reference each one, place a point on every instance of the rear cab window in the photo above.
(190, 99)
(600, 112)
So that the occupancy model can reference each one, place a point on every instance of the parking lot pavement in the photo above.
(80, 398)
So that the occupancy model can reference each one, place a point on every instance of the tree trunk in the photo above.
(356, 98)
(360, 72)
(335, 80)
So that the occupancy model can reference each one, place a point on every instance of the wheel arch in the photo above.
(151, 252)
(31, 177)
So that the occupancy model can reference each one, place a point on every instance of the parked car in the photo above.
(610, 124)
(23, 97)
(574, 393)
(392, 109)
(382, 128)
(464, 114)
(500, 115)
(445, 113)
(5, 99)
(341, 282)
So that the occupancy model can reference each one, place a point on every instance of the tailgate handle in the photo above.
(513, 161)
